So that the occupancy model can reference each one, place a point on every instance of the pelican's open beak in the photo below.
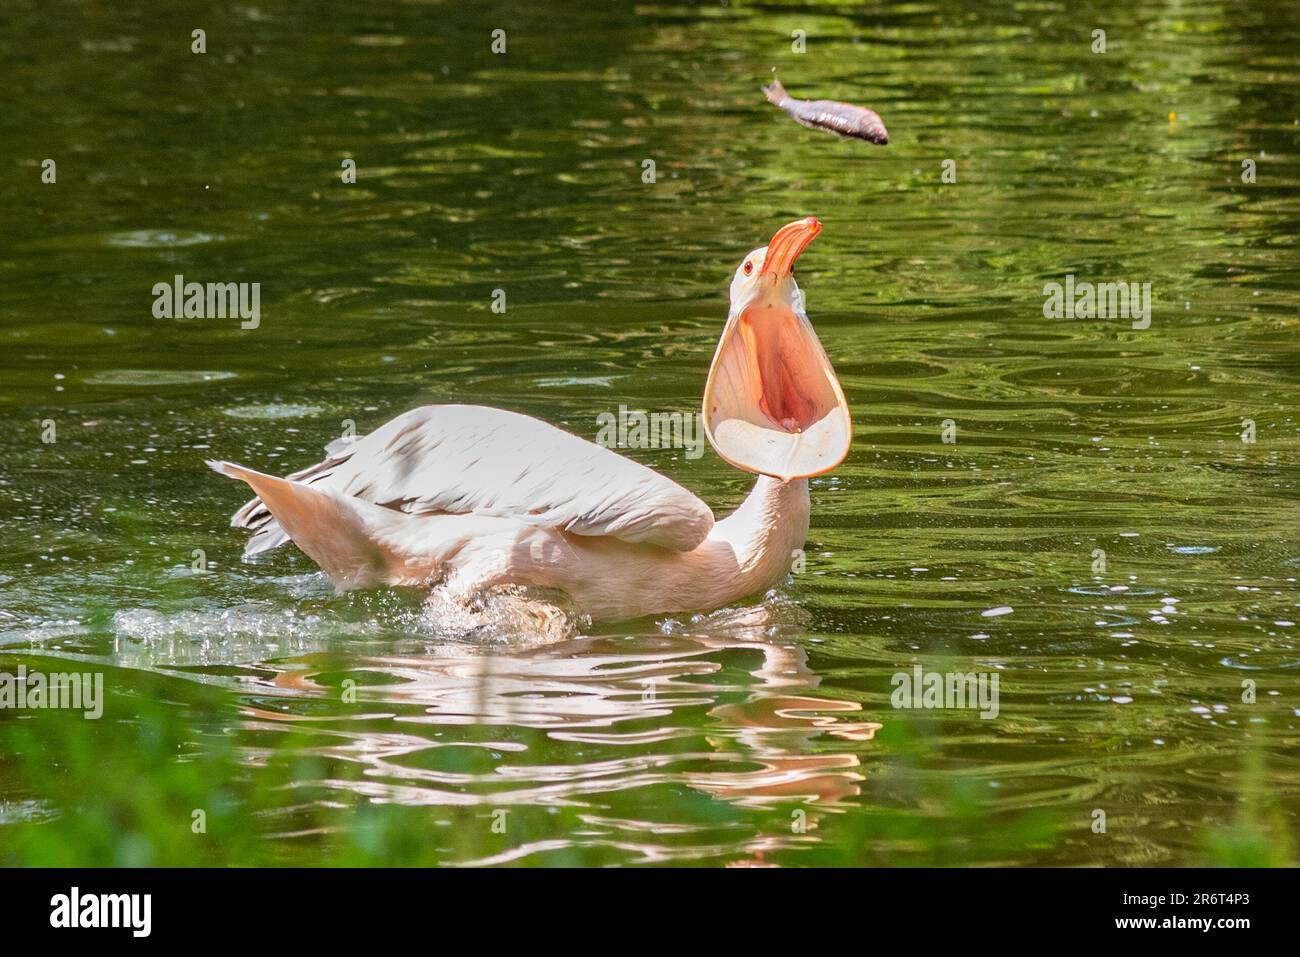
(772, 404)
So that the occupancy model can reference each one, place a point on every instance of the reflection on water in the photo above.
(603, 692)
(1142, 560)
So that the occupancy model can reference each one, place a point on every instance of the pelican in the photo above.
(468, 498)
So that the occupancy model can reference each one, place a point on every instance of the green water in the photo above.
(315, 728)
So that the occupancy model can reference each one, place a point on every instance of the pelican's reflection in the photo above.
(720, 703)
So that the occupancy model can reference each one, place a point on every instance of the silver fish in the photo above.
(843, 119)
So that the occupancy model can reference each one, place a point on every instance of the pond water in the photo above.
(1066, 503)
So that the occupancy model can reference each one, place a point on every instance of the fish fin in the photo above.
(357, 543)
(775, 92)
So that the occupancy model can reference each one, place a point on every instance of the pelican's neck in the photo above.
(746, 553)
(768, 527)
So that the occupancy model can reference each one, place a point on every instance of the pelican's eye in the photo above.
(749, 267)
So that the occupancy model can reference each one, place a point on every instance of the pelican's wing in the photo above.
(473, 459)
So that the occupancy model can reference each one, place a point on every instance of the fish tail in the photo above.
(775, 92)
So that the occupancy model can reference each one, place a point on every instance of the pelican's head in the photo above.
(772, 404)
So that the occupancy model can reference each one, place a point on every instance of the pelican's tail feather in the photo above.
(359, 544)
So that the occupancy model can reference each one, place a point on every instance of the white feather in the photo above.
(476, 460)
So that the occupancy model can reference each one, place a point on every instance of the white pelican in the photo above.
(469, 497)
